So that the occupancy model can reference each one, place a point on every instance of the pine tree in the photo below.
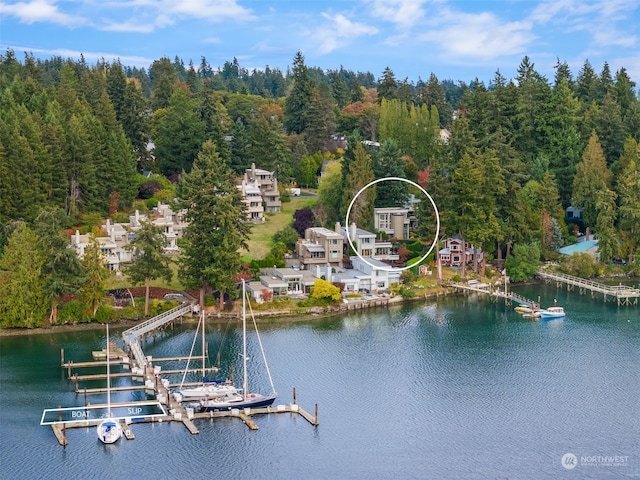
(150, 261)
(61, 270)
(218, 225)
(298, 101)
(592, 176)
(93, 290)
(23, 302)
(360, 175)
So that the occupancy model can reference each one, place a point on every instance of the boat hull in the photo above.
(109, 431)
(252, 401)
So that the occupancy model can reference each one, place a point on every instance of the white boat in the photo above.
(552, 312)
(242, 398)
(109, 430)
(208, 389)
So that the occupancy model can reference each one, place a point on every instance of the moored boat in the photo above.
(552, 312)
(242, 398)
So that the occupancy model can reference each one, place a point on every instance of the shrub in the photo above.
(71, 312)
(105, 313)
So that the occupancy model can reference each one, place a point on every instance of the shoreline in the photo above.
(266, 316)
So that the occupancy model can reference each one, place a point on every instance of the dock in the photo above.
(146, 375)
(496, 294)
(622, 294)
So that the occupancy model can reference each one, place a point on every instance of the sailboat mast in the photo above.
(245, 382)
(108, 376)
(204, 374)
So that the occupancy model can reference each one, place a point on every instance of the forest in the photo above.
(502, 161)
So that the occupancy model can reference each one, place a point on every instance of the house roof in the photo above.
(581, 247)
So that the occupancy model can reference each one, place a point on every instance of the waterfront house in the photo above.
(454, 252)
(320, 246)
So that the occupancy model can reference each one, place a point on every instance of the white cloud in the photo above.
(40, 11)
(338, 31)
(130, 26)
(479, 36)
(215, 10)
(403, 13)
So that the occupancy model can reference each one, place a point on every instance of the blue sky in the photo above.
(457, 40)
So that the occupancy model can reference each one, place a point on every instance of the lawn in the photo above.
(259, 243)
(260, 239)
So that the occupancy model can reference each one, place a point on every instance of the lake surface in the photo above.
(453, 388)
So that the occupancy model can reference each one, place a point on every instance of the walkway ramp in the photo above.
(132, 336)
(625, 295)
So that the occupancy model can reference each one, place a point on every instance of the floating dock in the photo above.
(154, 385)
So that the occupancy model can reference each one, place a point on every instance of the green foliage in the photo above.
(105, 313)
(323, 289)
(23, 302)
(286, 236)
(523, 262)
(71, 312)
(93, 289)
(218, 226)
(579, 265)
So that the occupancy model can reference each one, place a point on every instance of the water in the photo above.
(454, 388)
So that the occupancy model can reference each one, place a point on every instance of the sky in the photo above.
(455, 40)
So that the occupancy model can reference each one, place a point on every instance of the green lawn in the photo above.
(259, 243)
(260, 239)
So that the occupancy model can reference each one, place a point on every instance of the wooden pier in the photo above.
(622, 294)
(495, 294)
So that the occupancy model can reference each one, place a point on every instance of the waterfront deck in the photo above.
(622, 294)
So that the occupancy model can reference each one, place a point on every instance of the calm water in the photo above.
(454, 388)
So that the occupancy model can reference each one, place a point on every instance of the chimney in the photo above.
(338, 228)
(253, 170)
(353, 232)
(77, 237)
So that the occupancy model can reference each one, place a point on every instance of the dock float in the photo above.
(126, 431)
(59, 432)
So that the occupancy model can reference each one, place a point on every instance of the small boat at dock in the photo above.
(552, 313)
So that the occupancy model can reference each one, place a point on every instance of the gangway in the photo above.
(624, 295)
(132, 336)
(496, 293)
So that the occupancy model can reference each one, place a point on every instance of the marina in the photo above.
(151, 378)
(484, 394)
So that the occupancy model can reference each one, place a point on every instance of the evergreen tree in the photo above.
(164, 78)
(321, 122)
(592, 176)
(178, 133)
(23, 302)
(240, 150)
(360, 174)
(298, 101)
(628, 188)
(94, 287)
(387, 85)
(150, 261)
(62, 270)
(605, 205)
(587, 84)
(388, 163)
(218, 225)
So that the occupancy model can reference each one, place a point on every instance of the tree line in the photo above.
(502, 161)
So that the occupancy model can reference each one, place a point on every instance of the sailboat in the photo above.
(209, 388)
(109, 430)
(242, 398)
